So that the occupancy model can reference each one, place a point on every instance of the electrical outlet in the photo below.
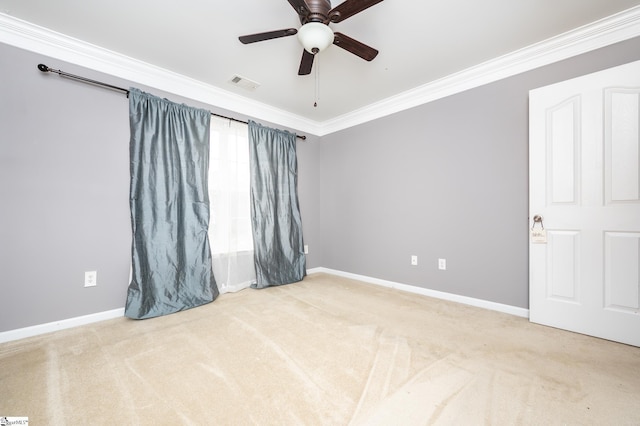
(91, 278)
(442, 264)
(306, 249)
(414, 260)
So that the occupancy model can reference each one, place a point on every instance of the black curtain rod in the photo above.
(44, 68)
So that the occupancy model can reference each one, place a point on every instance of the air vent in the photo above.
(244, 82)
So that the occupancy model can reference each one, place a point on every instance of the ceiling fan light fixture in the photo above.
(315, 37)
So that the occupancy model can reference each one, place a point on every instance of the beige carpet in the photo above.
(328, 351)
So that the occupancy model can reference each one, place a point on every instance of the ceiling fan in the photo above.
(315, 34)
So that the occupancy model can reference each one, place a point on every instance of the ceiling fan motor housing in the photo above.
(318, 11)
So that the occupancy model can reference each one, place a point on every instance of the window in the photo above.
(230, 233)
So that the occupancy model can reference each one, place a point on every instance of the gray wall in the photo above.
(64, 194)
(64, 191)
(448, 179)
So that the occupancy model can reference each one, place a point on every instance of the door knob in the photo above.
(537, 219)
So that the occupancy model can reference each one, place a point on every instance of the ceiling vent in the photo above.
(244, 82)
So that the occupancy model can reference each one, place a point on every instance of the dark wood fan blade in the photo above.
(354, 46)
(349, 8)
(306, 63)
(252, 38)
(300, 7)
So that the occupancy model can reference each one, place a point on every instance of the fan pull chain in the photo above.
(317, 94)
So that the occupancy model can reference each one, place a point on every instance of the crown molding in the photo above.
(619, 27)
(613, 29)
(31, 37)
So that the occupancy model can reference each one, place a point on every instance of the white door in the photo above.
(584, 171)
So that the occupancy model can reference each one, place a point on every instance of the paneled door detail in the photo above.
(584, 181)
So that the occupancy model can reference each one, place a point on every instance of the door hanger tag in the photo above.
(538, 235)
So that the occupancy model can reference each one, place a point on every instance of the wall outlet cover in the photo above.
(90, 278)
(442, 264)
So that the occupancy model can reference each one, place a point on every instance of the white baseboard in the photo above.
(22, 333)
(499, 307)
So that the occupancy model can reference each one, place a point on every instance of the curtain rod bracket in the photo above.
(44, 68)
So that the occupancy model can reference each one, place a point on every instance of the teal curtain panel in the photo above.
(169, 201)
(275, 211)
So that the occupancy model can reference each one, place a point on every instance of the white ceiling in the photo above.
(419, 42)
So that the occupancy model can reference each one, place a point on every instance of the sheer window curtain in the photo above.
(229, 188)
